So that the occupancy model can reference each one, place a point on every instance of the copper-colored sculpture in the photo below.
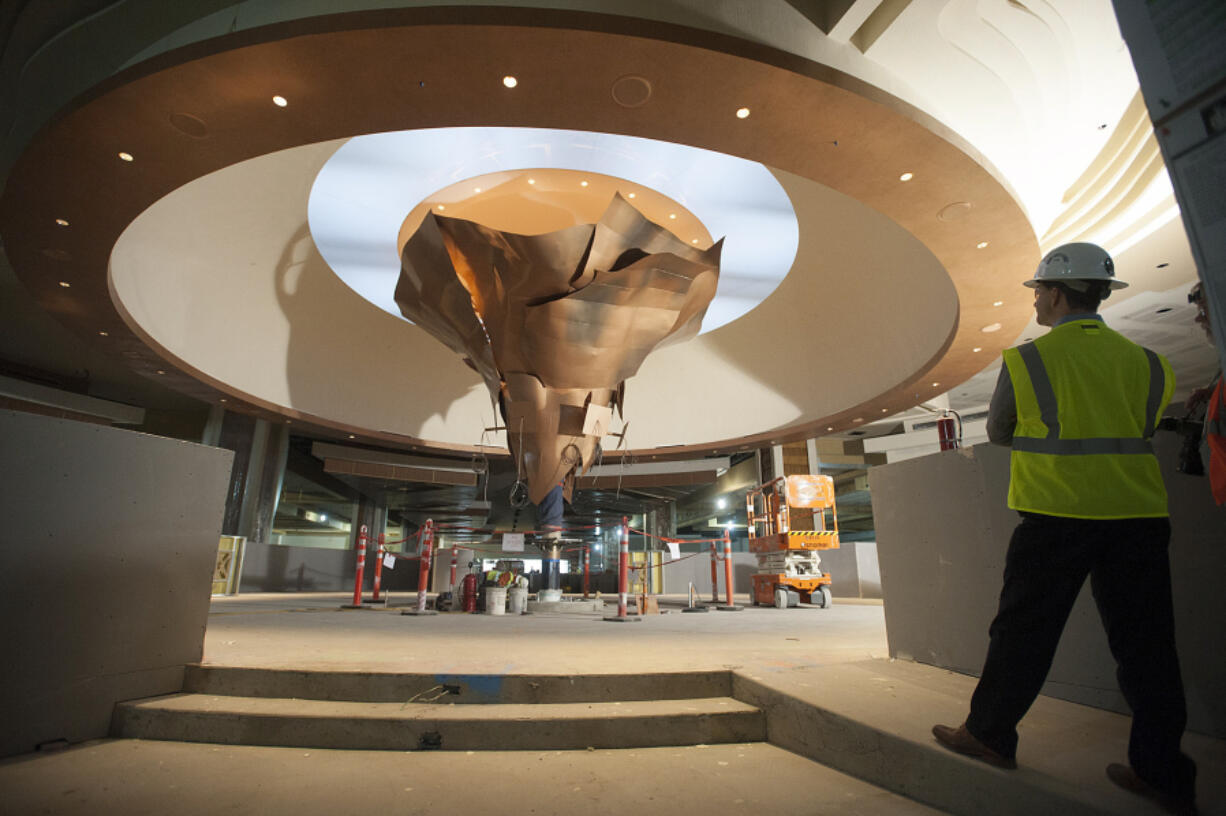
(556, 323)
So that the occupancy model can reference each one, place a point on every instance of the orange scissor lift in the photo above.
(789, 567)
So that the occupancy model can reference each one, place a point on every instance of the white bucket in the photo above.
(549, 596)
(495, 600)
(517, 600)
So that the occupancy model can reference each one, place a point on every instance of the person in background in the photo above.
(1078, 407)
(1213, 399)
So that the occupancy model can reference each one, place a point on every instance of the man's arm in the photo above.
(1002, 412)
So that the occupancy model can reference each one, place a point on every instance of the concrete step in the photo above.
(415, 726)
(184, 779)
(391, 687)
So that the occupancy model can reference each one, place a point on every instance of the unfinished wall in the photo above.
(106, 564)
(942, 532)
(678, 575)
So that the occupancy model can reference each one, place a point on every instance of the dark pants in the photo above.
(1047, 564)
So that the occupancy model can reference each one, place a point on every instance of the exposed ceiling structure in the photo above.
(159, 171)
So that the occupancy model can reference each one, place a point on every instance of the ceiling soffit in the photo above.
(413, 71)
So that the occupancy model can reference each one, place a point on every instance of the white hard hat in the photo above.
(1075, 265)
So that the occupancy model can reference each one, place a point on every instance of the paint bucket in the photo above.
(495, 600)
(517, 600)
(549, 596)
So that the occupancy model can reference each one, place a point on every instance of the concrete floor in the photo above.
(824, 676)
(307, 631)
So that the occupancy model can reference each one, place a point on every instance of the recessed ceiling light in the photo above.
(442, 207)
(830, 427)
(65, 284)
(998, 303)
(583, 184)
(977, 349)
(630, 195)
(126, 156)
(934, 385)
(858, 419)
(103, 334)
(885, 410)
(280, 101)
(476, 189)
(693, 240)
(510, 81)
(673, 216)
(532, 181)
(906, 177)
(981, 245)
(160, 371)
(223, 399)
(991, 327)
(351, 436)
(742, 113)
(62, 222)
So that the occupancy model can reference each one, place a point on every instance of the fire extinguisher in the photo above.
(468, 593)
(949, 430)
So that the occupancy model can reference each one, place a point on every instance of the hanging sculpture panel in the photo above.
(556, 323)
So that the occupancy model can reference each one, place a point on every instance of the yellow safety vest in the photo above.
(1088, 400)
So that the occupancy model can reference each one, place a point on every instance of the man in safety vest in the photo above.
(1214, 398)
(1078, 407)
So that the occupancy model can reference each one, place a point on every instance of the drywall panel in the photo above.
(943, 530)
(283, 568)
(106, 564)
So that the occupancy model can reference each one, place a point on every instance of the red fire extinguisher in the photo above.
(949, 430)
(468, 593)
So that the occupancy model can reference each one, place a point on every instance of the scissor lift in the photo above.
(789, 567)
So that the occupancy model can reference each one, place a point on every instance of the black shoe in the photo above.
(964, 742)
(1126, 778)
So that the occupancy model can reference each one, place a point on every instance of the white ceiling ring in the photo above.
(363, 193)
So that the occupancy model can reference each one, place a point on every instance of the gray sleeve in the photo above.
(1002, 412)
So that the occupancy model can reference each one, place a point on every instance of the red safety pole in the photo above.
(728, 567)
(587, 560)
(361, 571)
(427, 541)
(714, 575)
(378, 569)
(623, 562)
(451, 583)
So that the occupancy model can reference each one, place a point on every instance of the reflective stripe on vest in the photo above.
(1088, 400)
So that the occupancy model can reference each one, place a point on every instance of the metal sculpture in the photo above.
(556, 323)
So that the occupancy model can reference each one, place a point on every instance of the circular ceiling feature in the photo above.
(203, 263)
(189, 125)
(632, 91)
(952, 212)
(362, 195)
